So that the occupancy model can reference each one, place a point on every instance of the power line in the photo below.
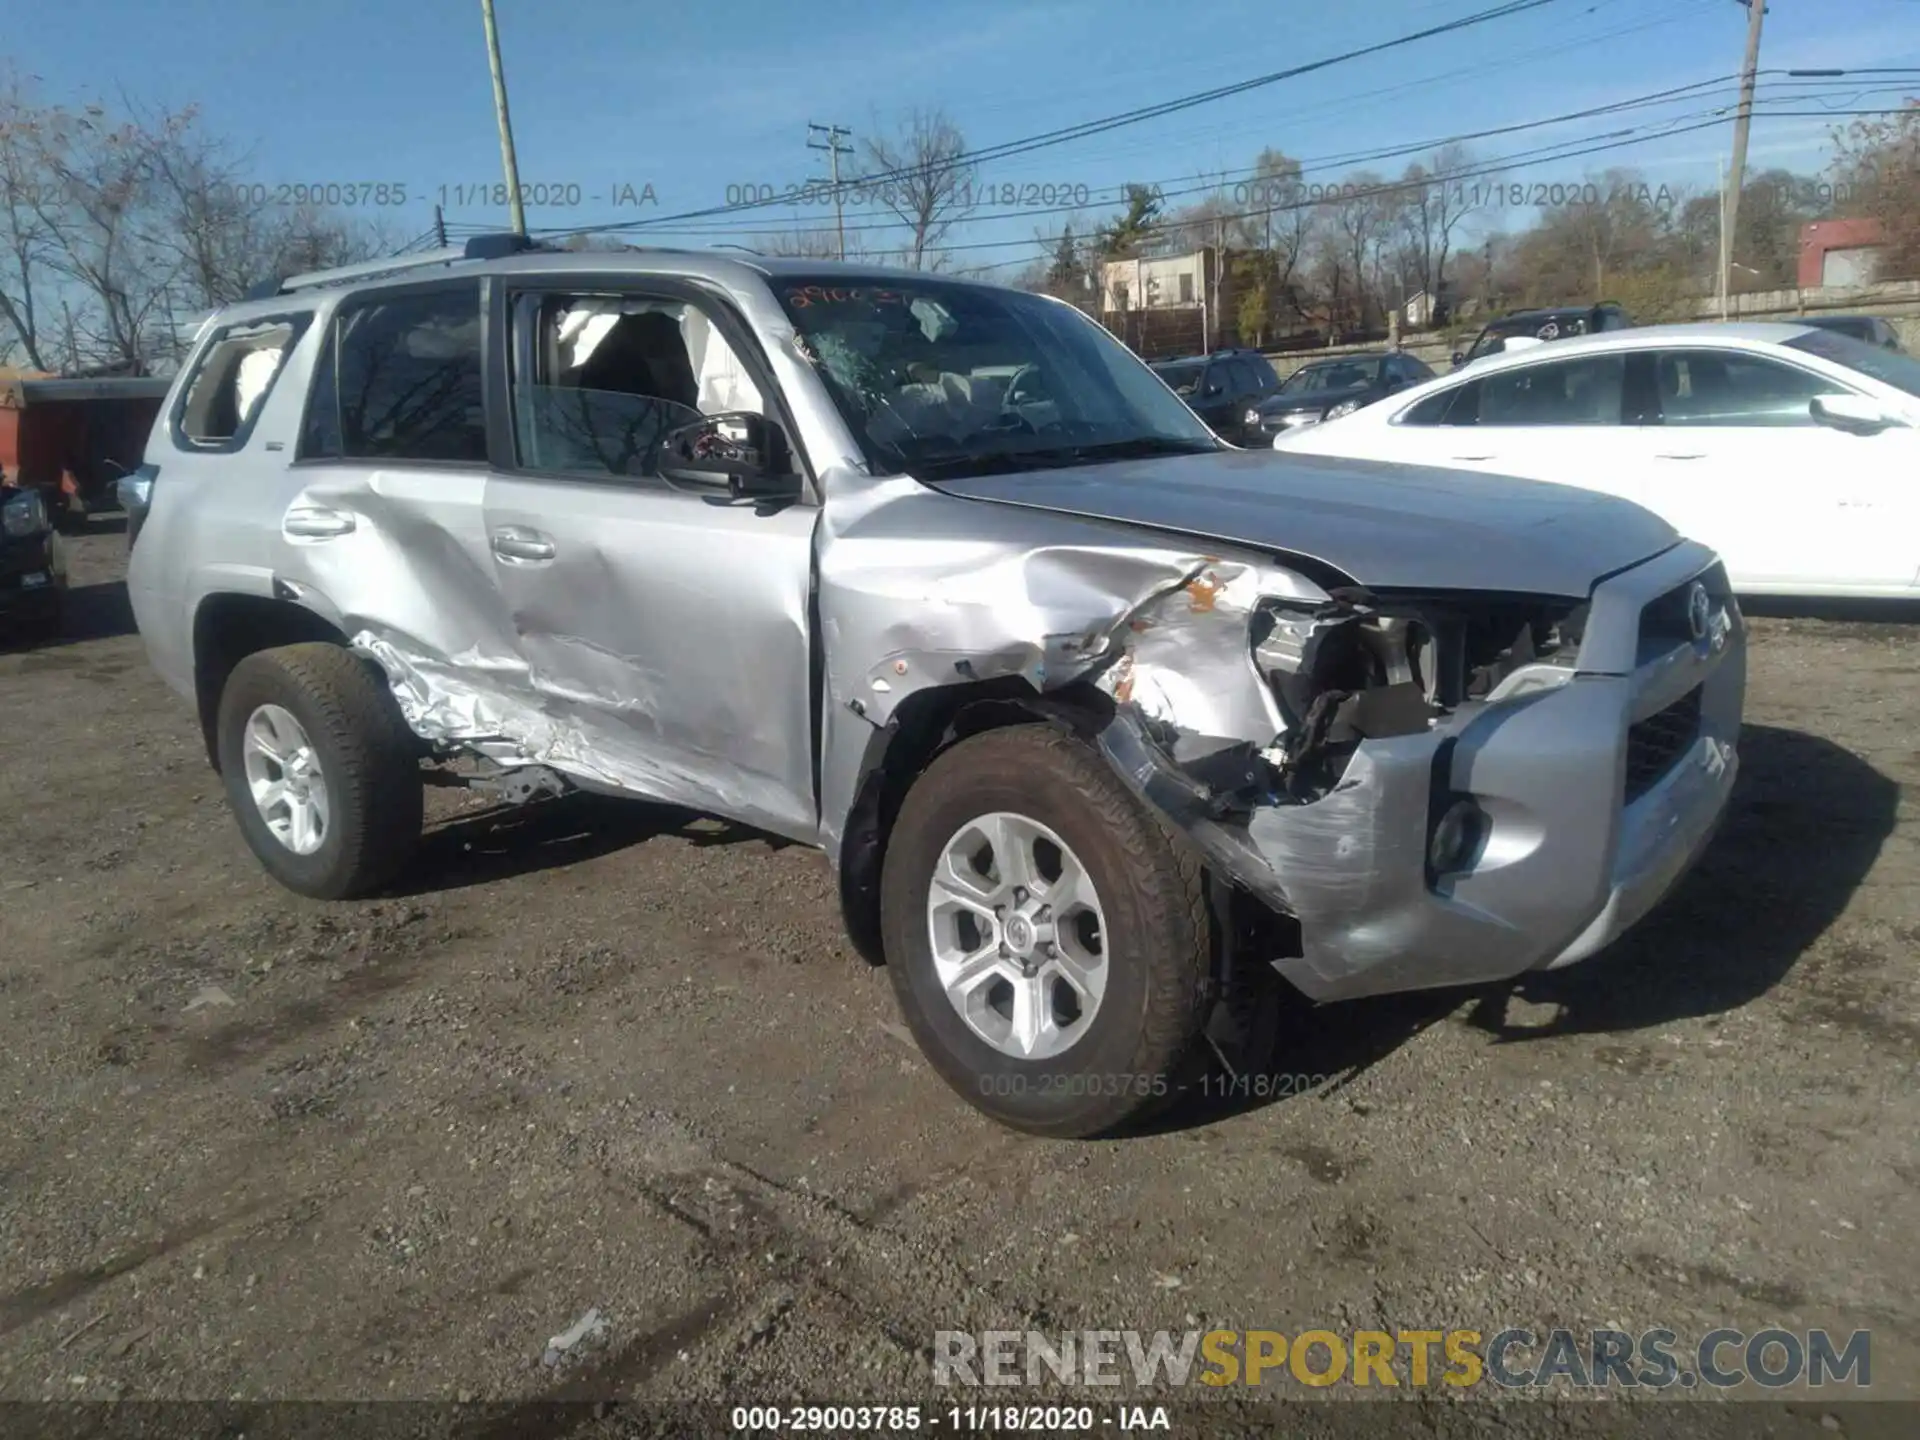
(1317, 164)
(1127, 117)
(1348, 159)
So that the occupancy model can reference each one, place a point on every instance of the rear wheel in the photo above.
(320, 769)
(1046, 937)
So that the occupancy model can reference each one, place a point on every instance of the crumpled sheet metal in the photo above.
(457, 700)
(1048, 614)
(1186, 660)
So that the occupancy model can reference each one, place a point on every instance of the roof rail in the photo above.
(480, 247)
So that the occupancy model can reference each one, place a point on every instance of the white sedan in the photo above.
(1793, 451)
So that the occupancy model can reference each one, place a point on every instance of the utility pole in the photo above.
(507, 161)
(835, 134)
(439, 228)
(1730, 209)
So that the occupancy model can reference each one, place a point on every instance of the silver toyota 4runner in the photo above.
(1101, 723)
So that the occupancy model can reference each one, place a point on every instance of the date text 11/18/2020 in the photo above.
(386, 194)
(1236, 1086)
(955, 1419)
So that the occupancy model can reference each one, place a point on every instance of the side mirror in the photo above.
(1855, 414)
(1459, 358)
(745, 452)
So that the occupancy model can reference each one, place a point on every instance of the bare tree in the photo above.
(26, 240)
(806, 244)
(1431, 205)
(123, 224)
(919, 175)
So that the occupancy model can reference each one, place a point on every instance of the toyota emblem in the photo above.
(1699, 612)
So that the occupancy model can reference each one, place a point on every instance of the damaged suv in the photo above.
(1102, 724)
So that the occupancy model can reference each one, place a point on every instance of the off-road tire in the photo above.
(368, 759)
(1136, 1050)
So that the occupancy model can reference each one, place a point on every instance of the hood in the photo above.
(1387, 527)
(1311, 400)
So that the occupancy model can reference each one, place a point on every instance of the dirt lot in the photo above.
(600, 1056)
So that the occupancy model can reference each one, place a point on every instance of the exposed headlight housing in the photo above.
(1345, 407)
(25, 514)
(1252, 417)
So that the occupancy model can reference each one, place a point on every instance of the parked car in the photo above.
(1221, 387)
(1525, 328)
(33, 570)
(1328, 389)
(1868, 328)
(1790, 449)
(1102, 724)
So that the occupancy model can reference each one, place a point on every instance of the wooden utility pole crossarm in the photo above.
(834, 134)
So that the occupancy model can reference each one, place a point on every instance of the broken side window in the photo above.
(230, 383)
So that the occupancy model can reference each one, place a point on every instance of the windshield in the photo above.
(1182, 376)
(1335, 375)
(938, 378)
(1494, 338)
(1889, 367)
(1859, 329)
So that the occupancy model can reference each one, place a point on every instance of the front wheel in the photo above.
(1046, 937)
(320, 770)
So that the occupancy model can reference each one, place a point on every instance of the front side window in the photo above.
(231, 382)
(1733, 387)
(935, 377)
(400, 379)
(613, 375)
(1586, 391)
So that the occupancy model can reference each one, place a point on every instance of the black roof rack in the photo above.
(480, 247)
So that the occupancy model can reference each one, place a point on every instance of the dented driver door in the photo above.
(664, 632)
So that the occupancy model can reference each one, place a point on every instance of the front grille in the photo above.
(1657, 742)
(1666, 620)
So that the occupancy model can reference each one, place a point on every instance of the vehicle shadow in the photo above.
(502, 841)
(1803, 830)
(90, 612)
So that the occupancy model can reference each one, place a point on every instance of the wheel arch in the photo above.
(924, 726)
(230, 625)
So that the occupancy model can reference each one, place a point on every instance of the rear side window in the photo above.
(400, 378)
(1440, 409)
(230, 384)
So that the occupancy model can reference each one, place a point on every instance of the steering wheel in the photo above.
(1027, 387)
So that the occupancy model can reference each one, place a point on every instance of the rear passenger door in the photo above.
(383, 525)
(1553, 420)
(662, 632)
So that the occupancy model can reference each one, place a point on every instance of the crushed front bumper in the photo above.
(1596, 796)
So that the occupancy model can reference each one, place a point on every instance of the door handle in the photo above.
(1691, 455)
(1473, 457)
(313, 522)
(518, 545)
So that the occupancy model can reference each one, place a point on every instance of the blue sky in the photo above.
(695, 98)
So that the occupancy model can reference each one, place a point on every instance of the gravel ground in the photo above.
(601, 1056)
